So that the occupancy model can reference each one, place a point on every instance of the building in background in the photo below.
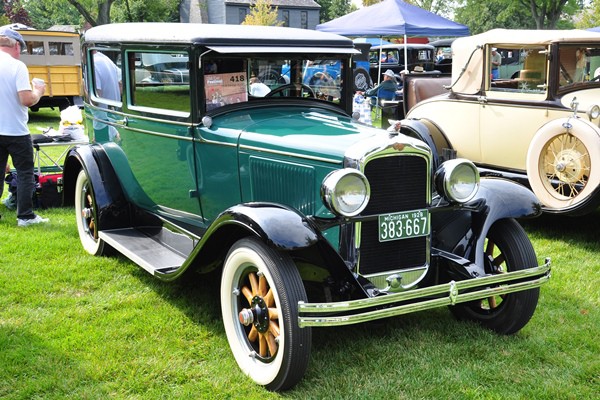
(294, 13)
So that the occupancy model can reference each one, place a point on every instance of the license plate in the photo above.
(403, 225)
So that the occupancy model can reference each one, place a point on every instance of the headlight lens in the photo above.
(457, 180)
(346, 192)
(593, 112)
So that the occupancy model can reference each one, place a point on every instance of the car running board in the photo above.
(157, 250)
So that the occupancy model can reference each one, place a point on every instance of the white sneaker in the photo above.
(33, 221)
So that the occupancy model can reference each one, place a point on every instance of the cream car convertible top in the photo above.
(473, 48)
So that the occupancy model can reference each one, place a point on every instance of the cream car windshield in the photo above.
(579, 65)
(230, 80)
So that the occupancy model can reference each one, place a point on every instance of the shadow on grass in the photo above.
(41, 371)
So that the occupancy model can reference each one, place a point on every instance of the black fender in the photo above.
(429, 133)
(280, 227)
(464, 232)
(111, 204)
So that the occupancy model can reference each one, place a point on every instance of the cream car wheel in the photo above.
(260, 291)
(563, 163)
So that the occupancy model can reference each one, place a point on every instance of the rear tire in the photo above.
(86, 215)
(507, 249)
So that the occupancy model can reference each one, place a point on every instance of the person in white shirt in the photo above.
(17, 95)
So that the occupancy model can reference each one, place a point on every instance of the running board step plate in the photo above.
(157, 250)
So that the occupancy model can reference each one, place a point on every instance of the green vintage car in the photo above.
(312, 218)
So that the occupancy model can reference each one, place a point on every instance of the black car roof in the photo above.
(217, 35)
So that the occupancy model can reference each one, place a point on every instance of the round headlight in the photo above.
(457, 180)
(345, 192)
(593, 112)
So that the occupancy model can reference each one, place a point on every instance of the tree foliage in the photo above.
(481, 16)
(547, 13)
(590, 17)
(262, 13)
(46, 13)
(15, 13)
(332, 9)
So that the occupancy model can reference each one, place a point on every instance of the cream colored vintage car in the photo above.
(534, 120)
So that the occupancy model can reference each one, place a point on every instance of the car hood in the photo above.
(307, 132)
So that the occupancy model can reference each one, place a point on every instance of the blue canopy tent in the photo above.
(393, 18)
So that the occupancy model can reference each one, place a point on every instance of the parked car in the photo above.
(537, 124)
(310, 218)
(443, 54)
(55, 57)
(392, 57)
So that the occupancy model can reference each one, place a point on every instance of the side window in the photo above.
(106, 76)
(60, 48)
(522, 70)
(160, 80)
(35, 48)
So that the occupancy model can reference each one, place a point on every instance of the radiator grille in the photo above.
(284, 183)
(398, 183)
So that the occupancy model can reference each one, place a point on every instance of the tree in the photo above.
(332, 9)
(547, 13)
(262, 13)
(481, 16)
(15, 12)
(97, 12)
(103, 11)
(590, 17)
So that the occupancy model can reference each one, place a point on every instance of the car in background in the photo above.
(420, 56)
(537, 124)
(302, 216)
(443, 54)
(55, 57)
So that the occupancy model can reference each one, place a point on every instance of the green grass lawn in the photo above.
(73, 326)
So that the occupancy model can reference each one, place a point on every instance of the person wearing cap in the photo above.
(386, 89)
(495, 61)
(17, 95)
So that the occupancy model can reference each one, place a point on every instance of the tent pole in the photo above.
(405, 54)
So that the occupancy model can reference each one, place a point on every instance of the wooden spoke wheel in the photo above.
(86, 215)
(260, 291)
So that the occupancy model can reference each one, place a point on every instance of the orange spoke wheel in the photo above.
(260, 291)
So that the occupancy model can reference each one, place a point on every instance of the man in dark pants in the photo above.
(16, 95)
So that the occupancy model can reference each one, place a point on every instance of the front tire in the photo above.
(507, 249)
(260, 291)
(86, 215)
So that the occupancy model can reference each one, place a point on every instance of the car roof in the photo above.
(442, 42)
(527, 36)
(401, 46)
(228, 38)
(468, 52)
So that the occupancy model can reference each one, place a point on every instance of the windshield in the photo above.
(579, 65)
(229, 80)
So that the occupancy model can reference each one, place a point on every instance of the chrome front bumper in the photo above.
(348, 312)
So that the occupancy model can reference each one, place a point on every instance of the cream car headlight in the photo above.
(593, 112)
(346, 192)
(457, 180)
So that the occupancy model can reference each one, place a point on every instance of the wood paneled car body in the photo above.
(534, 119)
(310, 218)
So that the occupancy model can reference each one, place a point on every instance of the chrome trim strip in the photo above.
(288, 154)
(536, 277)
(128, 115)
